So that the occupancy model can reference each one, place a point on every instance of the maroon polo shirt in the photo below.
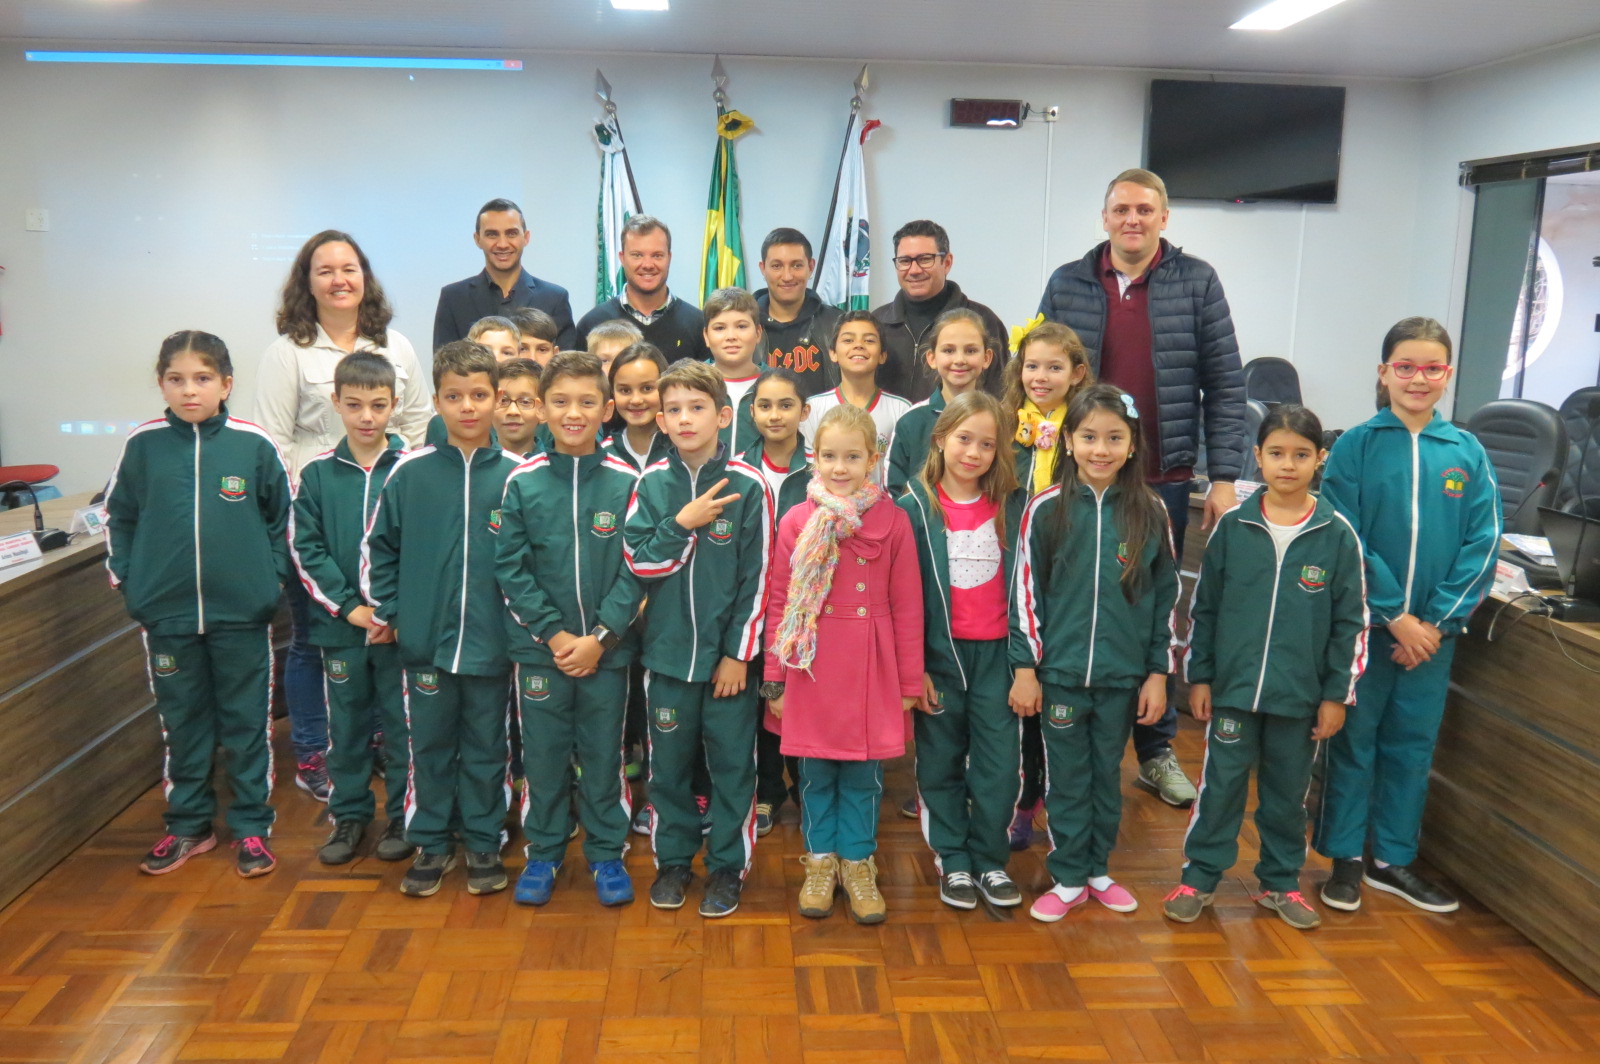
(1128, 361)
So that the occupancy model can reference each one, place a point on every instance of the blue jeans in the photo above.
(302, 680)
(1153, 740)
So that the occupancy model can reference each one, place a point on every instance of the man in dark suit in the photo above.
(501, 234)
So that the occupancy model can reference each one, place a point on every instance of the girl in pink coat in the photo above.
(844, 664)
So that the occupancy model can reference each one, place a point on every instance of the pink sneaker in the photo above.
(1050, 907)
(1116, 898)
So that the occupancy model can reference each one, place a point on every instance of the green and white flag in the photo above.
(844, 261)
(618, 202)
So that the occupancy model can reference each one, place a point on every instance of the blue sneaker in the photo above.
(537, 882)
(612, 884)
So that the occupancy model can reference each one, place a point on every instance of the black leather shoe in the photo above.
(1342, 890)
(1401, 881)
(671, 884)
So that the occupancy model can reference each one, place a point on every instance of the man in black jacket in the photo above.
(675, 326)
(798, 325)
(922, 263)
(501, 234)
(1156, 324)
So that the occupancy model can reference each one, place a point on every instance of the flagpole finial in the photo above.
(602, 89)
(860, 87)
(719, 78)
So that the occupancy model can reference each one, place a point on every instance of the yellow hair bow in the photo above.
(1020, 333)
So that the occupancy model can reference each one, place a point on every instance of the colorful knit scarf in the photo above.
(816, 555)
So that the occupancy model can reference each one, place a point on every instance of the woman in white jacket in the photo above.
(331, 306)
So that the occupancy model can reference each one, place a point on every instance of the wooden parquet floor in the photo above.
(101, 964)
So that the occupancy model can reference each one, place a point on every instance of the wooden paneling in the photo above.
(45, 622)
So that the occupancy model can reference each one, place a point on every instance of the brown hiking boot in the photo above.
(822, 879)
(860, 882)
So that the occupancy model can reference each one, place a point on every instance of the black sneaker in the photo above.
(722, 893)
(486, 873)
(393, 846)
(172, 851)
(311, 776)
(998, 889)
(1342, 890)
(1400, 880)
(426, 874)
(911, 808)
(671, 884)
(253, 857)
(342, 842)
(957, 890)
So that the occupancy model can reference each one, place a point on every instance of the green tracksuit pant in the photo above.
(1085, 731)
(210, 689)
(363, 689)
(459, 773)
(969, 762)
(1280, 751)
(839, 803)
(1378, 764)
(682, 716)
(562, 717)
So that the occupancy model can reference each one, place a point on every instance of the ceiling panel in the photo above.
(1380, 38)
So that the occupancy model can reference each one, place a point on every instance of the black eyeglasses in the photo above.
(905, 262)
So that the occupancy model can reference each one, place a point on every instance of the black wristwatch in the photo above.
(771, 690)
(608, 639)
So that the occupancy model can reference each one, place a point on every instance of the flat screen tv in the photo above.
(1245, 141)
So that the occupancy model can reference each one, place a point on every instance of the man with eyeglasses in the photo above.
(501, 234)
(1156, 324)
(922, 262)
(673, 325)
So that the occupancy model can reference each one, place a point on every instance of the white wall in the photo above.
(166, 184)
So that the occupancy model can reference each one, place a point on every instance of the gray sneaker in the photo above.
(1163, 777)
(998, 889)
(1185, 904)
(426, 874)
(1293, 907)
(486, 873)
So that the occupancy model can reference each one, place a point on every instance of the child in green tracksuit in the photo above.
(570, 604)
(1277, 640)
(1422, 495)
(1092, 618)
(336, 497)
(964, 508)
(699, 530)
(427, 571)
(197, 507)
(958, 351)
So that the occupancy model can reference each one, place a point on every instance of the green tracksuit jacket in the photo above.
(1279, 636)
(792, 491)
(196, 515)
(708, 586)
(427, 563)
(913, 435)
(660, 447)
(1069, 617)
(1428, 512)
(933, 556)
(334, 501)
(559, 558)
(742, 430)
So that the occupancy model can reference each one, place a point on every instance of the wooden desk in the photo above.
(1511, 814)
(80, 736)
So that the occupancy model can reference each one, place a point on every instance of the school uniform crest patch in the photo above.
(232, 489)
(427, 683)
(1228, 730)
(721, 530)
(604, 524)
(1059, 716)
(337, 671)
(666, 718)
(1455, 482)
(1124, 555)
(163, 664)
(494, 521)
(535, 688)
(1313, 578)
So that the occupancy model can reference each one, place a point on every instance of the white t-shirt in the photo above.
(294, 395)
(885, 410)
(1283, 535)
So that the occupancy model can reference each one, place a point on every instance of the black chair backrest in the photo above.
(1271, 380)
(1580, 427)
(1527, 444)
(1255, 412)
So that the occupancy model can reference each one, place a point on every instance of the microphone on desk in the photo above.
(47, 538)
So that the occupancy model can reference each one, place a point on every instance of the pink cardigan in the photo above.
(869, 642)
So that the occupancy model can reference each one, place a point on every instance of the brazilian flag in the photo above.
(722, 264)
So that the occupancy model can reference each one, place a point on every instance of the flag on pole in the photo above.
(619, 198)
(722, 262)
(844, 265)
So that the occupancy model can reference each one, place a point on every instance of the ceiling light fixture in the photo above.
(639, 5)
(254, 59)
(1282, 13)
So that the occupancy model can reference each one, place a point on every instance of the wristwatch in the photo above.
(771, 690)
(608, 639)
